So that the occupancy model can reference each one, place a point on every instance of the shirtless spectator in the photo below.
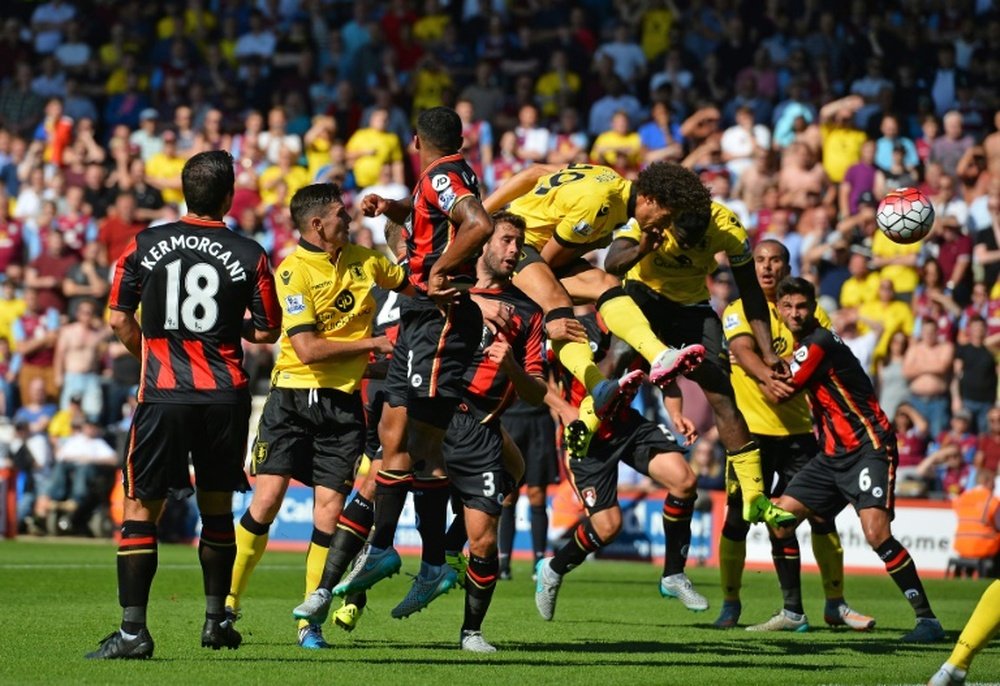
(991, 146)
(927, 368)
(801, 175)
(78, 359)
(277, 137)
(754, 181)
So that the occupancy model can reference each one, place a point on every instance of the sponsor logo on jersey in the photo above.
(295, 304)
(344, 301)
(779, 346)
(439, 182)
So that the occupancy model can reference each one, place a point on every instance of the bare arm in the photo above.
(127, 330)
(758, 315)
(311, 348)
(516, 186)
(474, 228)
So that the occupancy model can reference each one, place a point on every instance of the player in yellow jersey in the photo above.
(982, 626)
(312, 427)
(666, 265)
(569, 212)
(785, 436)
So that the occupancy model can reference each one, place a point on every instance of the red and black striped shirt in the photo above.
(431, 231)
(843, 401)
(195, 280)
(489, 390)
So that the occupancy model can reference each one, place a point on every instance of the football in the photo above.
(905, 215)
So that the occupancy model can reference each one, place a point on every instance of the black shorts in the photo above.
(373, 395)
(635, 441)
(530, 255)
(434, 349)
(473, 456)
(534, 434)
(680, 325)
(162, 437)
(865, 479)
(314, 435)
(781, 458)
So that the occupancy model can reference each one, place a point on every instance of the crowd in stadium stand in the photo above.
(798, 115)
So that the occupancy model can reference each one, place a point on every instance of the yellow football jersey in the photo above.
(678, 274)
(335, 300)
(788, 418)
(580, 205)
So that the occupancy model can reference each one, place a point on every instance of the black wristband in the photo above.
(560, 313)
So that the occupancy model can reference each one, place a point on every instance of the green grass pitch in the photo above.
(611, 627)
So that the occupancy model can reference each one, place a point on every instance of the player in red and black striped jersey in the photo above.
(194, 280)
(440, 331)
(858, 457)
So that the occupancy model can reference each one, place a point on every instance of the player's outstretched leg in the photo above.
(757, 507)
(982, 626)
(578, 434)
(353, 527)
(550, 571)
(431, 582)
(349, 614)
(137, 562)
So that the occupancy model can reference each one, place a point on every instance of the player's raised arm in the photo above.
(517, 185)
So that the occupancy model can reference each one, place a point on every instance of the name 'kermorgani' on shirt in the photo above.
(161, 249)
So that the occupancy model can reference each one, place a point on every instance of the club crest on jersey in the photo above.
(589, 496)
(440, 181)
(344, 301)
(295, 304)
(356, 271)
(286, 276)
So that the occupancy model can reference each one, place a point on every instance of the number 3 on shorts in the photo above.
(489, 487)
(864, 480)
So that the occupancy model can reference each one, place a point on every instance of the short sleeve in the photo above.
(264, 309)
(734, 321)
(629, 230)
(126, 286)
(733, 239)
(444, 189)
(386, 274)
(295, 298)
(583, 223)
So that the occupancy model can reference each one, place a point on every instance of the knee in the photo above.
(875, 535)
(687, 487)
(608, 525)
(484, 544)
(536, 496)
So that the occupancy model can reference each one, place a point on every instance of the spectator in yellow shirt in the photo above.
(619, 148)
(163, 170)
(287, 172)
(897, 263)
(841, 139)
(369, 149)
(557, 88)
(430, 81)
(11, 307)
(862, 287)
(894, 315)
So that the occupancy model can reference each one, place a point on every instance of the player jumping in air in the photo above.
(665, 266)
(570, 212)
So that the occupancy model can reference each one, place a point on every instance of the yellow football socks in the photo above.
(830, 560)
(250, 548)
(578, 360)
(981, 627)
(732, 557)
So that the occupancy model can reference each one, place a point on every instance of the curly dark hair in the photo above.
(674, 187)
